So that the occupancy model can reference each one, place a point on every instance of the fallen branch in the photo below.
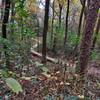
(70, 66)
(34, 53)
(52, 60)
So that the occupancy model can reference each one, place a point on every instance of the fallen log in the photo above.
(34, 53)
(53, 60)
(70, 66)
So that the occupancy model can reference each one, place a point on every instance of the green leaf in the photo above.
(38, 64)
(47, 75)
(45, 69)
(70, 98)
(3, 73)
(13, 85)
(48, 97)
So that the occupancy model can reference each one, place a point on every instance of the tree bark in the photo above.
(5, 18)
(2, 14)
(2, 9)
(96, 33)
(4, 29)
(38, 25)
(54, 43)
(85, 47)
(81, 17)
(46, 18)
(12, 20)
(52, 24)
(60, 11)
(51, 8)
(66, 26)
(79, 26)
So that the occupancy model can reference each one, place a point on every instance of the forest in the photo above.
(49, 49)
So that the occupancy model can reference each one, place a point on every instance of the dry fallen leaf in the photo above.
(81, 96)
(61, 83)
(67, 83)
(26, 78)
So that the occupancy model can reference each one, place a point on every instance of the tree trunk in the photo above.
(4, 28)
(66, 27)
(96, 33)
(2, 9)
(2, 14)
(85, 47)
(54, 43)
(5, 18)
(80, 20)
(79, 26)
(38, 25)
(12, 20)
(46, 18)
(52, 24)
(60, 11)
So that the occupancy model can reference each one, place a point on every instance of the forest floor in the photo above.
(52, 82)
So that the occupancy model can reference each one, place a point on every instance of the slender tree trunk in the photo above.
(79, 26)
(96, 33)
(21, 19)
(85, 47)
(80, 20)
(52, 23)
(4, 28)
(12, 11)
(38, 33)
(46, 18)
(54, 43)
(5, 18)
(12, 20)
(60, 11)
(56, 14)
(66, 27)
(2, 9)
(55, 34)
(2, 14)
